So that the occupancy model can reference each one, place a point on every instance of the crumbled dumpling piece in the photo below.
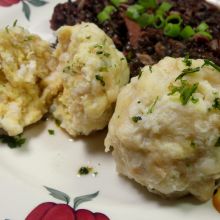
(165, 131)
(26, 86)
(93, 71)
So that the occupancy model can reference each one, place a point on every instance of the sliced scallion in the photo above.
(172, 30)
(118, 2)
(135, 11)
(187, 32)
(104, 15)
(148, 3)
(202, 27)
(164, 7)
(205, 34)
(145, 20)
(159, 21)
(174, 19)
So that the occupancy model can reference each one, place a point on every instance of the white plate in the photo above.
(53, 161)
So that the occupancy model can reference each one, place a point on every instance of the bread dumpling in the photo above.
(26, 84)
(93, 72)
(165, 131)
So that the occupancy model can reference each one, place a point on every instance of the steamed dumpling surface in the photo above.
(165, 131)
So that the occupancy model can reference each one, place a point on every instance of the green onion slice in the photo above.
(187, 32)
(172, 30)
(148, 3)
(159, 21)
(135, 11)
(118, 2)
(205, 34)
(202, 27)
(104, 15)
(174, 19)
(145, 20)
(164, 7)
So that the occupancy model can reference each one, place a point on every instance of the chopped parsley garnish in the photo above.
(106, 54)
(98, 46)
(135, 119)
(7, 28)
(187, 71)
(187, 61)
(51, 132)
(150, 68)
(99, 52)
(12, 142)
(210, 63)
(106, 13)
(57, 122)
(194, 100)
(15, 23)
(217, 144)
(192, 144)
(84, 170)
(88, 37)
(185, 90)
(103, 69)
(216, 103)
(100, 78)
(151, 109)
(140, 74)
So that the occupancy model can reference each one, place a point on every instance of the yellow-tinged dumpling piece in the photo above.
(93, 71)
(26, 86)
(165, 131)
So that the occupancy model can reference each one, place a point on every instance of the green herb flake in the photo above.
(13, 142)
(106, 54)
(66, 69)
(135, 119)
(100, 78)
(187, 71)
(7, 28)
(217, 144)
(98, 46)
(216, 103)
(187, 61)
(85, 170)
(140, 74)
(103, 69)
(99, 52)
(57, 122)
(150, 68)
(122, 59)
(192, 144)
(15, 23)
(212, 64)
(88, 37)
(194, 100)
(151, 109)
(51, 132)
(186, 91)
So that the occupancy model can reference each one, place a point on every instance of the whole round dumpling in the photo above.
(93, 71)
(165, 131)
(26, 83)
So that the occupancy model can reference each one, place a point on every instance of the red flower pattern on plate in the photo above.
(54, 211)
(25, 5)
(7, 3)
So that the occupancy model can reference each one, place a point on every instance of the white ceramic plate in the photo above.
(53, 161)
